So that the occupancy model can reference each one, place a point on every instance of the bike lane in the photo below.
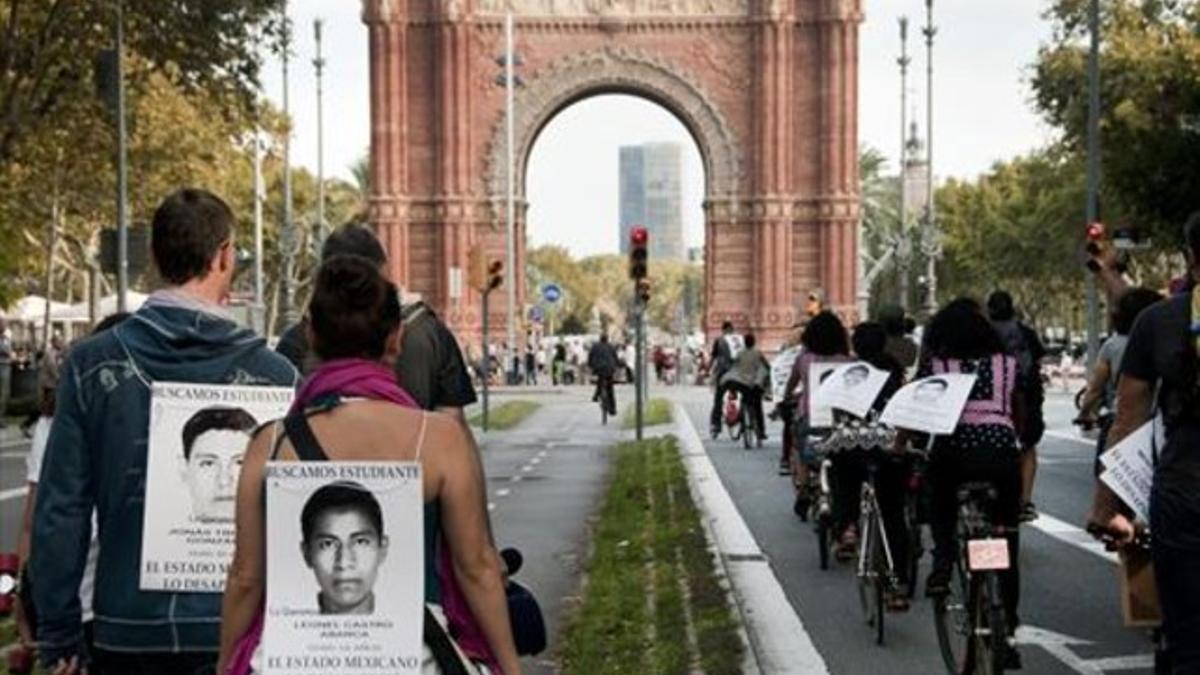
(1069, 605)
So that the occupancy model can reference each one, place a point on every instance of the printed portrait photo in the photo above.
(930, 390)
(214, 441)
(344, 545)
(855, 376)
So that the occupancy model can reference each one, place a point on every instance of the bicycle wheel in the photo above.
(821, 527)
(747, 426)
(953, 620)
(990, 637)
(916, 546)
(870, 585)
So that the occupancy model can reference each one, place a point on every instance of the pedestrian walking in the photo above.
(430, 366)
(364, 416)
(96, 456)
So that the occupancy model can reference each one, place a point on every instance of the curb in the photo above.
(776, 636)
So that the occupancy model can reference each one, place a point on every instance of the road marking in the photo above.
(13, 493)
(1070, 534)
(536, 461)
(515, 479)
(1070, 435)
(527, 468)
(491, 506)
(542, 454)
(778, 641)
(503, 492)
(1059, 646)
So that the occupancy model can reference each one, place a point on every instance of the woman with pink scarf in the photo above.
(358, 412)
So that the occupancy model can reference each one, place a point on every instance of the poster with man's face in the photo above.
(345, 568)
(932, 404)
(820, 413)
(853, 387)
(198, 436)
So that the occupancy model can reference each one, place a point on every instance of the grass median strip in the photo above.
(658, 411)
(652, 603)
(506, 415)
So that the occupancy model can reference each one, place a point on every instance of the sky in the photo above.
(982, 110)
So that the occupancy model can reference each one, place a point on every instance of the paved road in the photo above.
(1065, 588)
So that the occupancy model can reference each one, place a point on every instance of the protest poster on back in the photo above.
(781, 371)
(853, 387)
(820, 413)
(198, 435)
(931, 405)
(345, 568)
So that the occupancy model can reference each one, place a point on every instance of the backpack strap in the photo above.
(446, 655)
(304, 441)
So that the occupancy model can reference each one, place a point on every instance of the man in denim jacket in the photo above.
(96, 456)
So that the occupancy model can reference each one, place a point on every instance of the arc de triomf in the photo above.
(768, 89)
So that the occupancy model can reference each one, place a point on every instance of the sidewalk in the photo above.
(546, 478)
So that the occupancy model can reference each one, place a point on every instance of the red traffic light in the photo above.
(639, 236)
(495, 274)
(1095, 231)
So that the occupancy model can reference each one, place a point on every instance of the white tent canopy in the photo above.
(31, 309)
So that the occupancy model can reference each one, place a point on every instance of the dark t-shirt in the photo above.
(1157, 353)
(431, 366)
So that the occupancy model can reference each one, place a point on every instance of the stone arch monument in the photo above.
(767, 88)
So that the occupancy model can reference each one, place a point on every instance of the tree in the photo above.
(1017, 228)
(1150, 98)
(48, 46)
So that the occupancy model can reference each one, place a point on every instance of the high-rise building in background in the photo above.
(651, 196)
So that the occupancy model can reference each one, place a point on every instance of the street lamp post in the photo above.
(122, 168)
(1093, 174)
(510, 273)
(319, 65)
(259, 314)
(289, 227)
(903, 252)
(932, 243)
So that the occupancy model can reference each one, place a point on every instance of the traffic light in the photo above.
(495, 274)
(476, 268)
(639, 238)
(643, 290)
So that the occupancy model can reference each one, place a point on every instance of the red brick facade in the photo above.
(768, 88)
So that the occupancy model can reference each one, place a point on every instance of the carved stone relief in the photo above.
(616, 8)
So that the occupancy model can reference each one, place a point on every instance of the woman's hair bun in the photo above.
(354, 309)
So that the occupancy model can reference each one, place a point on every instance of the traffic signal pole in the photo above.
(487, 359)
(640, 360)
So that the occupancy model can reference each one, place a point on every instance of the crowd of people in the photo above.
(82, 536)
(376, 380)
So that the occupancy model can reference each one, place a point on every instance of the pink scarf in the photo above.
(359, 378)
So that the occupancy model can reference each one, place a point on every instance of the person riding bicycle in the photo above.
(850, 469)
(1101, 391)
(748, 377)
(724, 350)
(824, 341)
(984, 446)
(603, 362)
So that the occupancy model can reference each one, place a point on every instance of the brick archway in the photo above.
(766, 87)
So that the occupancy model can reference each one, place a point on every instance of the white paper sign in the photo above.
(932, 404)
(853, 387)
(781, 371)
(345, 568)
(1129, 469)
(820, 413)
(198, 434)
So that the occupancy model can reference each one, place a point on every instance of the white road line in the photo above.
(536, 460)
(1070, 435)
(491, 506)
(527, 468)
(776, 635)
(1072, 535)
(503, 492)
(13, 493)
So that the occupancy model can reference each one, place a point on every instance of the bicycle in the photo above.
(820, 507)
(972, 628)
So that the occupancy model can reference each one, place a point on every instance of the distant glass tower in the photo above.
(651, 196)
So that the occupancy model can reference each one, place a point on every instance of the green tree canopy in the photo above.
(1150, 99)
